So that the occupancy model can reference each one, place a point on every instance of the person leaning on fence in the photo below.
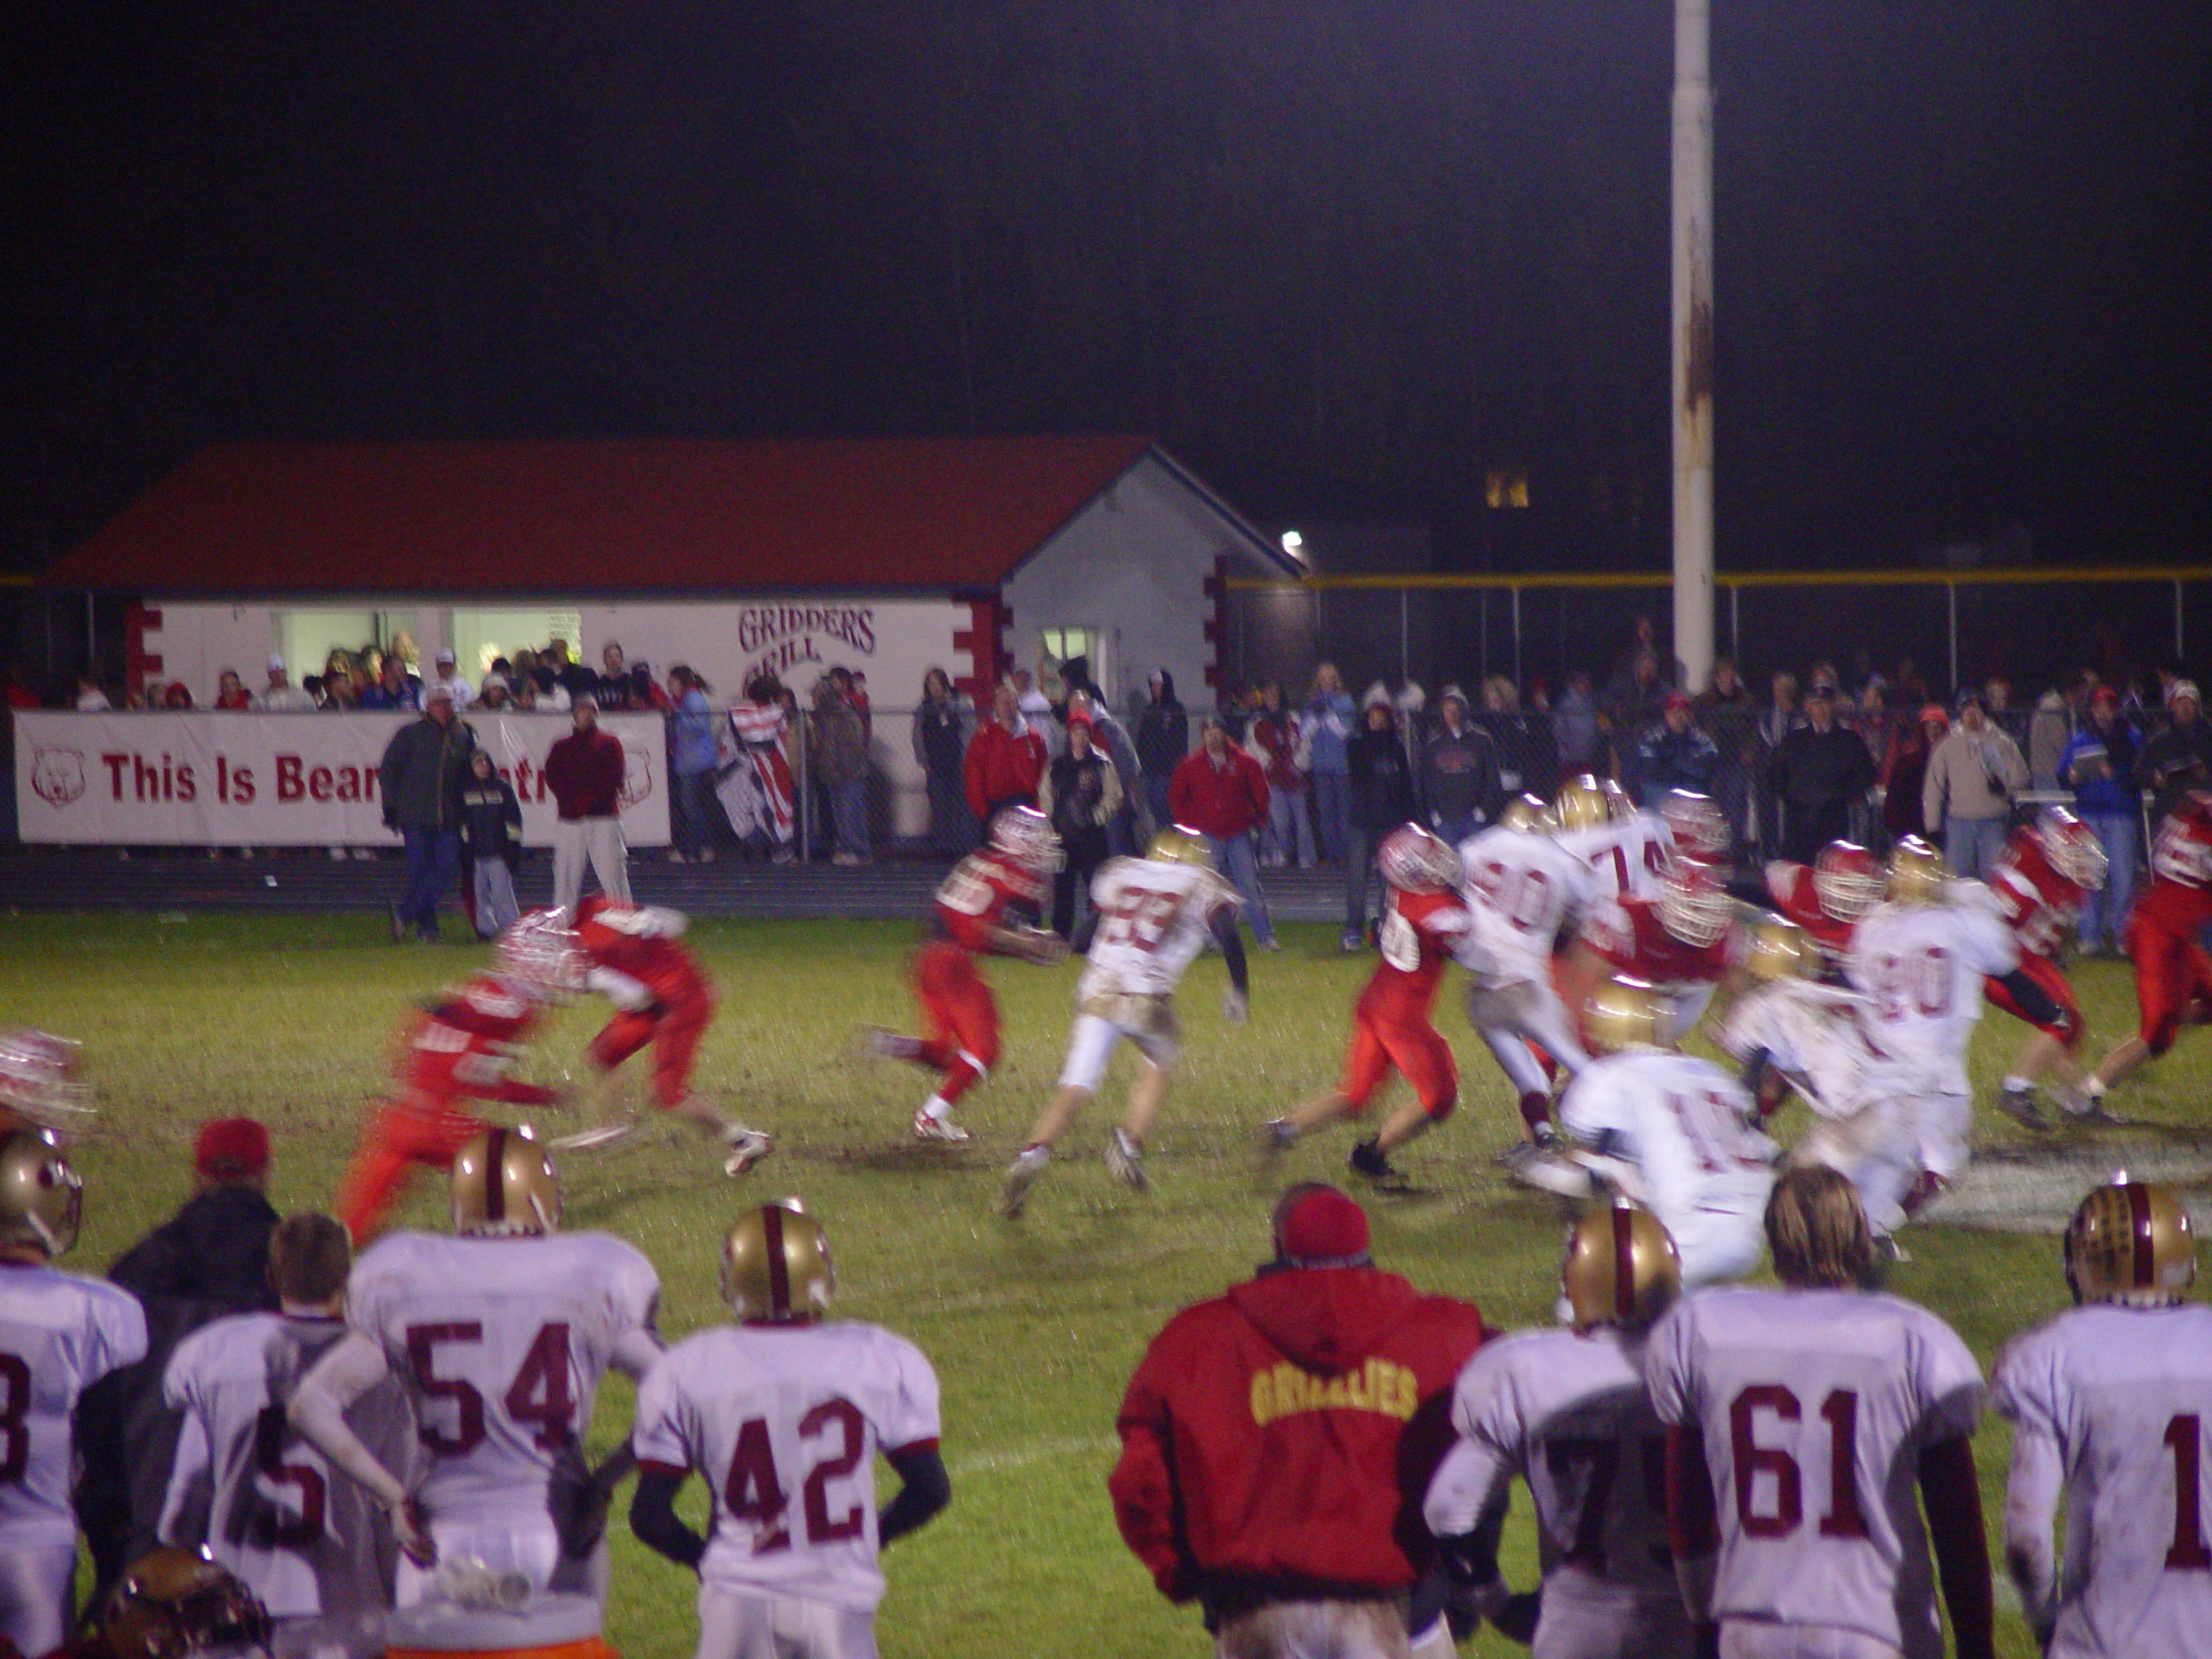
(1972, 775)
(1818, 771)
(1163, 738)
(693, 760)
(1110, 738)
(1079, 796)
(1381, 799)
(1460, 787)
(2099, 767)
(1277, 740)
(840, 754)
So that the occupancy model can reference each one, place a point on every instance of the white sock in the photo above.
(2094, 1088)
(937, 1109)
(2016, 1085)
(1036, 1154)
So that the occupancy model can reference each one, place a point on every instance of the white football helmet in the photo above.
(538, 954)
(43, 1080)
(1699, 830)
(1846, 881)
(1027, 837)
(2072, 848)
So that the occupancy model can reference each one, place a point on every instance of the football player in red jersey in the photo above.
(2041, 879)
(986, 907)
(661, 996)
(2173, 975)
(1828, 898)
(459, 1048)
(1424, 924)
(1700, 832)
(1683, 943)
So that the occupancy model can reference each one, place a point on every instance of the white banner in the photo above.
(282, 780)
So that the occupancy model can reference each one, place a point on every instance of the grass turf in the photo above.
(1033, 1327)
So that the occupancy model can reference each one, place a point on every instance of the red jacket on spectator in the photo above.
(1002, 766)
(1277, 1440)
(584, 771)
(1222, 798)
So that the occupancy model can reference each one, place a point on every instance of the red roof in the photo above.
(599, 517)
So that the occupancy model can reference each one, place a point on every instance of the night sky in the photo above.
(1343, 255)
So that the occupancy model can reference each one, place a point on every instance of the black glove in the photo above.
(1516, 1620)
(578, 1501)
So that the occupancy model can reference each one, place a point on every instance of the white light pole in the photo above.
(1693, 341)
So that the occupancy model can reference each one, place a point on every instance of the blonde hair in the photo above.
(1817, 1230)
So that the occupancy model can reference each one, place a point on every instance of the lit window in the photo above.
(1505, 486)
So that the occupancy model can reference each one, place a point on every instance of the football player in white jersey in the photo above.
(784, 1416)
(1150, 917)
(2107, 1404)
(1566, 1412)
(1805, 1429)
(312, 1548)
(500, 1333)
(1919, 958)
(1524, 887)
(1626, 851)
(59, 1335)
(1671, 1131)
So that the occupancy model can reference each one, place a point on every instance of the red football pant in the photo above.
(2043, 972)
(675, 1029)
(397, 1137)
(2172, 973)
(1413, 1048)
(960, 1018)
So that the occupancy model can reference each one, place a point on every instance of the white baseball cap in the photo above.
(276, 664)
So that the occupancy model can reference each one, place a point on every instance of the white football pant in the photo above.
(1611, 1627)
(1716, 1246)
(779, 1627)
(1092, 1042)
(1315, 1630)
(35, 1586)
(1743, 1638)
(1876, 1150)
(1508, 1014)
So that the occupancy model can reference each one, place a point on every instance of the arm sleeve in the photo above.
(1142, 1485)
(925, 1490)
(353, 1366)
(635, 1350)
(1952, 1496)
(1693, 1528)
(653, 1518)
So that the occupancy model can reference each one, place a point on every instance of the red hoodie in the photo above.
(1222, 800)
(1276, 1441)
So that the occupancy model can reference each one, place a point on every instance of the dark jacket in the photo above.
(1163, 735)
(1817, 775)
(424, 766)
(491, 819)
(2175, 759)
(1381, 786)
(584, 771)
(941, 736)
(1667, 760)
(1084, 794)
(1459, 774)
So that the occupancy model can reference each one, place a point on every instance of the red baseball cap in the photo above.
(231, 1147)
(1317, 1226)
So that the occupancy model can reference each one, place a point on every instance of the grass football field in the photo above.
(1034, 1327)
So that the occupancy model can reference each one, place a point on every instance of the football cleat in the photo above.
(2131, 1242)
(1692, 906)
(1621, 1268)
(745, 1147)
(1413, 861)
(504, 1186)
(1846, 882)
(1027, 837)
(2081, 1108)
(1700, 833)
(2072, 848)
(176, 1602)
(1176, 843)
(1581, 804)
(1020, 1175)
(1543, 1164)
(942, 1129)
(1125, 1161)
(43, 1080)
(1368, 1159)
(41, 1199)
(1623, 1014)
(776, 1265)
(2019, 1105)
(1916, 873)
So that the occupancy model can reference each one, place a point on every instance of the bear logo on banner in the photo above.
(58, 776)
(637, 777)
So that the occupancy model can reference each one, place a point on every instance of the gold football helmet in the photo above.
(505, 1185)
(1527, 815)
(175, 1603)
(1175, 843)
(776, 1265)
(1782, 950)
(1624, 1013)
(1582, 803)
(2130, 1243)
(41, 1197)
(1621, 1268)
(1916, 873)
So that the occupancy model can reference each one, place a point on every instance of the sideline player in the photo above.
(1424, 924)
(1921, 958)
(1523, 888)
(2041, 878)
(2107, 1402)
(986, 907)
(59, 1333)
(500, 1333)
(1800, 1423)
(459, 1048)
(1566, 1412)
(1152, 915)
(779, 1404)
(662, 996)
(265, 1505)
(1672, 1131)
(1829, 897)
(2173, 975)
(41, 1083)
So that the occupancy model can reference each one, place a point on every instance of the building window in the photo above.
(1505, 486)
(481, 638)
(1064, 645)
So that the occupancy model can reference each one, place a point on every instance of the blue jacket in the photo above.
(2116, 797)
(694, 745)
(1329, 725)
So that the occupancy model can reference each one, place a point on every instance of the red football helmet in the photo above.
(538, 954)
(1413, 861)
(2071, 846)
(1027, 837)
(1700, 832)
(43, 1080)
(1847, 881)
(1692, 906)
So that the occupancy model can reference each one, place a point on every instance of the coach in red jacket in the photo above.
(1276, 1441)
(1005, 761)
(1221, 791)
(585, 771)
